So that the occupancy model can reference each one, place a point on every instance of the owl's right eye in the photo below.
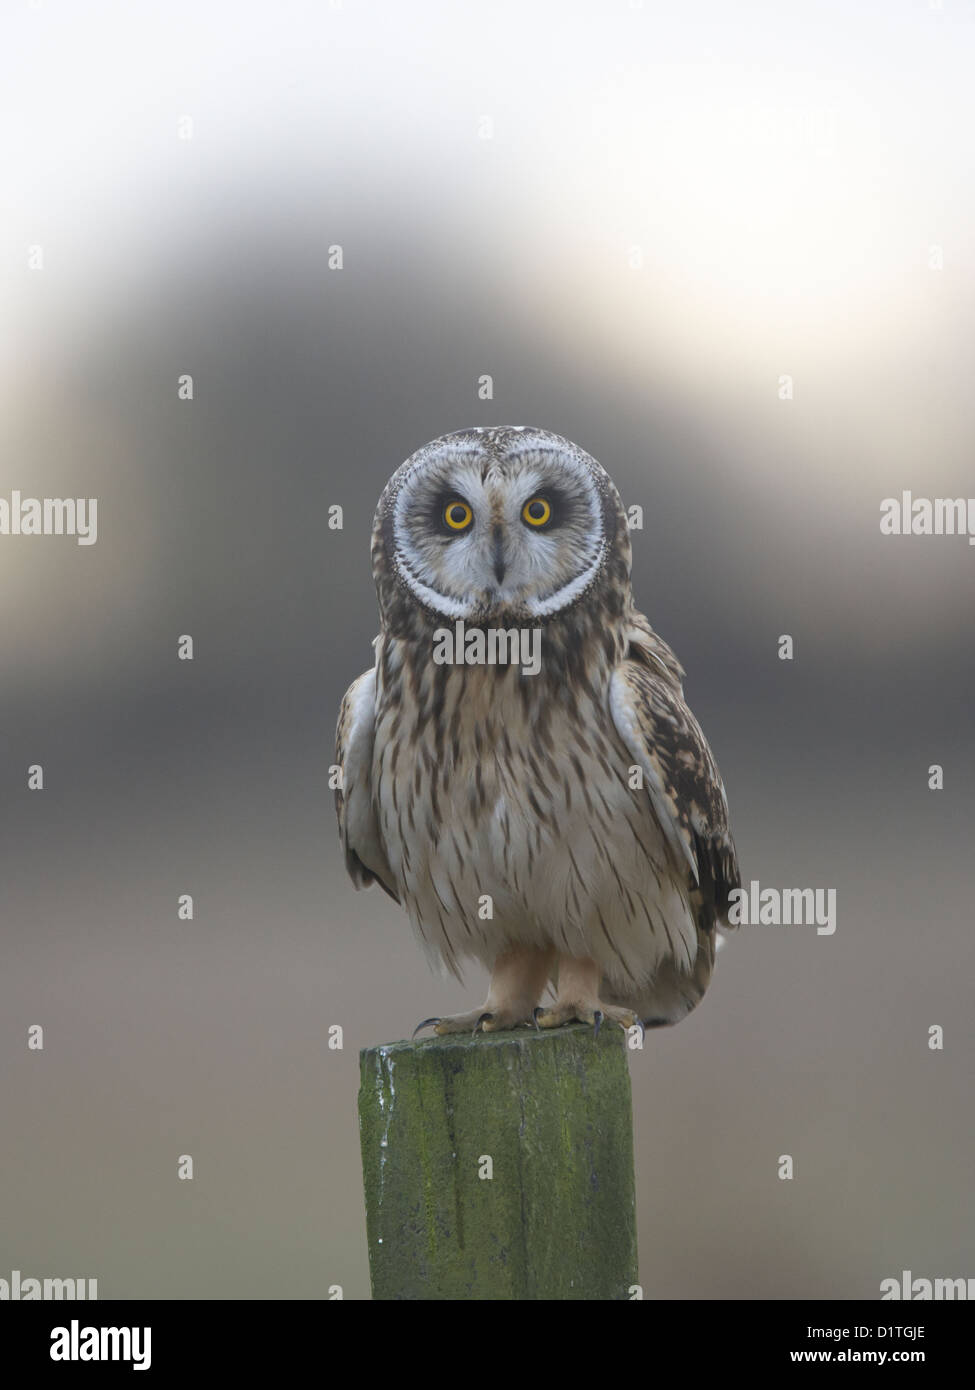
(458, 515)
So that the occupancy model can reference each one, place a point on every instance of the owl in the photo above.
(519, 769)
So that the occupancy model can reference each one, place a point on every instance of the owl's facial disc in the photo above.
(500, 523)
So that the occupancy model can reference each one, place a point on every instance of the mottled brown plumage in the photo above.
(566, 826)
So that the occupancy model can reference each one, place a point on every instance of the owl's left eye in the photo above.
(458, 515)
(536, 511)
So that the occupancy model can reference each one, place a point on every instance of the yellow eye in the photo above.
(536, 511)
(458, 516)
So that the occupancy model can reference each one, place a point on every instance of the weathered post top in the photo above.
(499, 1166)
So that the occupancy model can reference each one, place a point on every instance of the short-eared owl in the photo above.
(519, 769)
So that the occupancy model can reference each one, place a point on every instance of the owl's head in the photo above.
(506, 522)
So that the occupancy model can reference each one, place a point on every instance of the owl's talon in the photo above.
(483, 1020)
(535, 1012)
(425, 1024)
(590, 1011)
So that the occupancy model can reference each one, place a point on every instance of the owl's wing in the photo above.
(686, 793)
(365, 853)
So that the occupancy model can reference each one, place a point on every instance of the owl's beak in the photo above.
(498, 553)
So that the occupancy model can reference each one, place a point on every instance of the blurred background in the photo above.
(636, 218)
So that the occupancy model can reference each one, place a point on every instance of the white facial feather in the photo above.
(546, 569)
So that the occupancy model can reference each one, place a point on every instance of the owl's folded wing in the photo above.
(685, 790)
(365, 853)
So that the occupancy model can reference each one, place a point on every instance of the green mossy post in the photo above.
(548, 1115)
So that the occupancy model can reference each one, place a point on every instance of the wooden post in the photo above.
(500, 1166)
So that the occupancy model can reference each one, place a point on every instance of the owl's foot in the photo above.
(578, 999)
(585, 1011)
(482, 1020)
(517, 982)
